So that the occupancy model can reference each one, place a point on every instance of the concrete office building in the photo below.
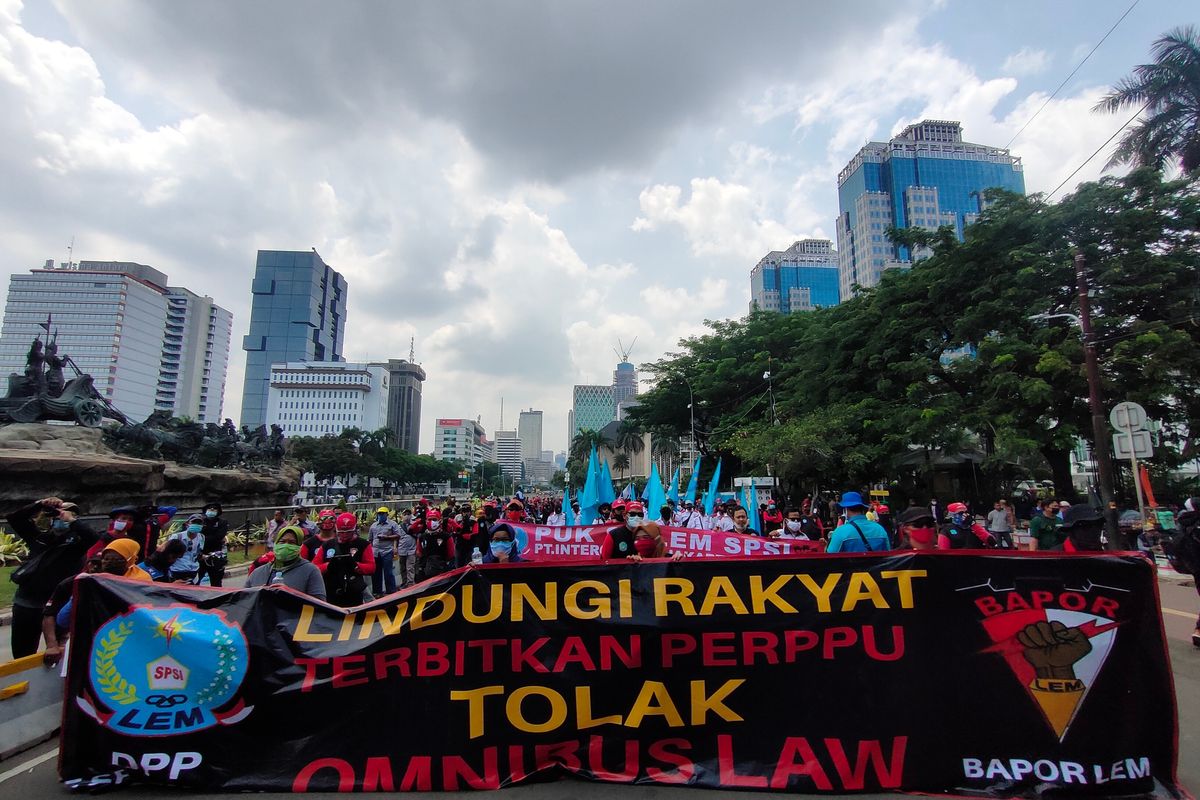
(298, 314)
(404, 403)
(625, 382)
(147, 345)
(308, 398)
(926, 177)
(529, 431)
(800, 278)
(461, 440)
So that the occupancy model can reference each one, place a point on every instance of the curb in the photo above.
(235, 571)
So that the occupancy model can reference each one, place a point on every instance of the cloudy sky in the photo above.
(515, 184)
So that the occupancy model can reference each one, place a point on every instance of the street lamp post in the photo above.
(1100, 447)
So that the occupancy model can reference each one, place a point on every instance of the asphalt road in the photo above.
(31, 775)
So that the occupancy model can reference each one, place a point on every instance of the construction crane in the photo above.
(624, 352)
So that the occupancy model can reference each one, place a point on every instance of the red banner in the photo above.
(561, 543)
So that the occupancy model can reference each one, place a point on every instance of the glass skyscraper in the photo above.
(926, 177)
(298, 314)
(801, 278)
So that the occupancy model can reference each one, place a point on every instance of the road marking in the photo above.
(1173, 612)
(28, 765)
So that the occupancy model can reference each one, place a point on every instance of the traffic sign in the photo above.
(880, 493)
(1128, 417)
(1136, 444)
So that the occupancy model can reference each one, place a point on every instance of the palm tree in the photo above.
(621, 463)
(1169, 90)
(629, 438)
(584, 441)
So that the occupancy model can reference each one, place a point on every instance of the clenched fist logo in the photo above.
(1053, 649)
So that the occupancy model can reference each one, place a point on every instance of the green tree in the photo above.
(629, 437)
(1169, 90)
(621, 463)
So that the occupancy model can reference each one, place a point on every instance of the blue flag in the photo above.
(673, 489)
(710, 497)
(748, 495)
(628, 492)
(690, 494)
(656, 498)
(567, 512)
(605, 486)
(589, 495)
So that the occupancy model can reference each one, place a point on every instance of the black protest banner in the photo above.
(1023, 675)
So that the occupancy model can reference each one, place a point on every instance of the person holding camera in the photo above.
(56, 551)
(213, 555)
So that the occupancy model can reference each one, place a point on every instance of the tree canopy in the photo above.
(945, 353)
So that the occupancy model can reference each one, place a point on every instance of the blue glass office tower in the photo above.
(926, 177)
(801, 278)
(298, 314)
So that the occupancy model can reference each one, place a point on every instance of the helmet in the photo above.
(346, 521)
(883, 510)
(956, 508)
(326, 517)
(383, 510)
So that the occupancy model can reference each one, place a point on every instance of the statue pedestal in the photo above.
(39, 460)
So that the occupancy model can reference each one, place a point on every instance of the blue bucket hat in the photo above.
(852, 500)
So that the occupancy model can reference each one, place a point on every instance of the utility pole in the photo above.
(1100, 433)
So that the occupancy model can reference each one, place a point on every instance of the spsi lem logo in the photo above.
(157, 671)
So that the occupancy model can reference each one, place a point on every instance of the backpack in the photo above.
(1182, 548)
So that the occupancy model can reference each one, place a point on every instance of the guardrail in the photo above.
(30, 704)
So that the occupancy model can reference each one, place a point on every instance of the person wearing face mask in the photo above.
(603, 514)
(435, 547)
(323, 534)
(54, 555)
(648, 543)
(383, 535)
(502, 548)
(471, 533)
(917, 529)
(741, 522)
(214, 556)
(193, 542)
(798, 525)
(344, 562)
(406, 550)
(619, 541)
(122, 523)
(619, 509)
(772, 518)
(961, 533)
(289, 568)
(120, 557)
(692, 517)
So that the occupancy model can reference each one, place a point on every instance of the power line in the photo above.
(1098, 149)
(1072, 75)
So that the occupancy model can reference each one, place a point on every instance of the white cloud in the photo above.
(1026, 61)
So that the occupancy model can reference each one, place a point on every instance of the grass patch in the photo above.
(7, 587)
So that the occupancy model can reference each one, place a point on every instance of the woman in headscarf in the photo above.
(288, 567)
(120, 557)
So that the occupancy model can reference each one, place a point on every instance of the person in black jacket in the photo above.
(54, 554)
(213, 556)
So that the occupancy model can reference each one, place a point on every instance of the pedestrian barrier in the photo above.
(30, 704)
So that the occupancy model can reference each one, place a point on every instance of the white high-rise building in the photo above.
(506, 451)
(318, 398)
(195, 357)
(529, 431)
(148, 346)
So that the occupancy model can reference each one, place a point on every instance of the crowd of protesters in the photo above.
(335, 556)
